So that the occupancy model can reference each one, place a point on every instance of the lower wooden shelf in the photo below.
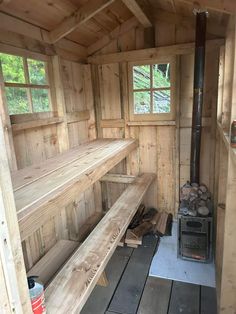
(69, 290)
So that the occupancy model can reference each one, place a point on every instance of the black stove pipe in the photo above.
(199, 65)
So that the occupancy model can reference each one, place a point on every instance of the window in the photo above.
(151, 95)
(26, 84)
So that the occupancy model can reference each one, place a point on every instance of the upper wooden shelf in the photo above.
(40, 190)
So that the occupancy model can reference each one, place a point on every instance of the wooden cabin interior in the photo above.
(96, 104)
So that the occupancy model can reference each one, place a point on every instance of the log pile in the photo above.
(146, 221)
(195, 200)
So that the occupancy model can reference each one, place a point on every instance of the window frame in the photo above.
(27, 85)
(153, 116)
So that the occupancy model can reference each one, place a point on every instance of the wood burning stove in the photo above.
(194, 238)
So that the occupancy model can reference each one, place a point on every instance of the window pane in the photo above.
(141, 77)
(142, 102)
(161, 101)
(17, 100)
(37, 73)
(161, 75)
(12, 68)
(40, 100)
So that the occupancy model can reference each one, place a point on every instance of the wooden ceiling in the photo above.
(87, 21)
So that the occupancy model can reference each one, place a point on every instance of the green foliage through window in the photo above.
(151, 88)
(26, 84)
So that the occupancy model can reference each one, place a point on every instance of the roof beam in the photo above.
(133, 6)
(226, 6)
(80, 16)
(173, 18)
(114, 34)
(153, 53)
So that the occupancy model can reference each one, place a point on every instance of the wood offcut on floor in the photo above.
(131, 290)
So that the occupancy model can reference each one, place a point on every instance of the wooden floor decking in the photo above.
(131, 291)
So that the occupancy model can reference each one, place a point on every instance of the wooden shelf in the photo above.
(53, 260)
(69, 290)
(40, 190)
(35, 124)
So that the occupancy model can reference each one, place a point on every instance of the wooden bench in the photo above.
(69, 290)
(40, 190)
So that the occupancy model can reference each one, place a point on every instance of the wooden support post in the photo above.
(228, 281)
(11, 257)
(103, 281)
(62, 128)
(7, 125)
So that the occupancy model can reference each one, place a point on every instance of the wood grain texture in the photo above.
(36, 204)
(82, 271)
(100, 298)
(52, 261)
(128, 293)
(184, 298)
(155, 297)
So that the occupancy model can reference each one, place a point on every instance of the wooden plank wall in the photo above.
(225, 178)
(38, 144)
(158, 145)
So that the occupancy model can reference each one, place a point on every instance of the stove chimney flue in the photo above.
(199, 65)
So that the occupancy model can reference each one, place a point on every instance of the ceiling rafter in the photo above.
(80, 16)
(137, 11)
(226, 6)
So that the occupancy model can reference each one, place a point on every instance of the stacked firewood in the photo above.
(195, 200)
(146, 221)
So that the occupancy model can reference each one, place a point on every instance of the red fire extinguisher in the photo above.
(36, 295)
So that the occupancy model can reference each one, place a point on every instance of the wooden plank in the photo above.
(100, 297)
(129, 291)
(137, 11)
(103, 281)
(114, 34)
(112, 123)
(131, 238)
(32, 173)
(12, 262)
(184, 298)
(117, 178)
(156, 296)
(208, 300)
(153, 53)
(95, 251)
(35, 124)
(188, 22)
(77, 116)
(53, 260)
(48, 187)
(18, 26)
(35, 214)
(82, 15)
(62, 129)
(226, 6)
(150, 123)
(7, 125)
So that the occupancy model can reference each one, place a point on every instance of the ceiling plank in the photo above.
(226, 6)
(173, 18)
(80, 16)
(114, 34)
(133, 6)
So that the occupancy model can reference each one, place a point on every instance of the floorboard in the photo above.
(101, 296)
(208, 300)
(129, 291)
(184, 298)
(156, 296)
